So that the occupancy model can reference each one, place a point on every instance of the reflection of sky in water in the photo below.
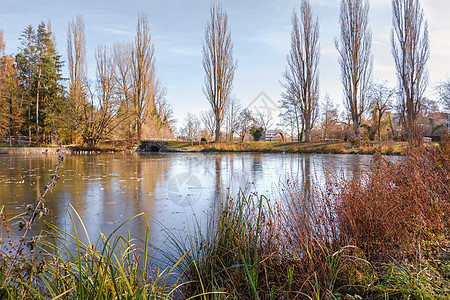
(108, 189)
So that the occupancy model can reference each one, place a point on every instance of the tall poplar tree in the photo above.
(411, 50)
(355, 58)
(302, 74)
(218, 64)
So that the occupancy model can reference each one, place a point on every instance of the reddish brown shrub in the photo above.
(395, 207)
(391, 211)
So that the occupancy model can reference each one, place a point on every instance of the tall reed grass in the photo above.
(63, 265)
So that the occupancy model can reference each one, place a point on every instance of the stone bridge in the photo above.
(151, 146)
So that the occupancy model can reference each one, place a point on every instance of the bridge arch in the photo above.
(151, 146)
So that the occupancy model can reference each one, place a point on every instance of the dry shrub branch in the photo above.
(338, 238)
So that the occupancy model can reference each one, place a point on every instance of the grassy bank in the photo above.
(326, 147)
(384, 235)
(335, 147)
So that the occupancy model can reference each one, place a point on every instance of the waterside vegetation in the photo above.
(323, 146)
(383, 235)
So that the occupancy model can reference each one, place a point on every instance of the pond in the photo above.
(175, 190)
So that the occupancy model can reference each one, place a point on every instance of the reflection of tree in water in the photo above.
(257, 168)
(355, 167)
(21, 177)
(218, 187)
(108, 189)
(306, 176)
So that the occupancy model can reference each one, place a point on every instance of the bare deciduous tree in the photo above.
(443, 89)
(191, 127)
(209, 121)
(245, 120)
(329, 117)
(163, 110)
(108, 114)
(141, 93)
(302, 76)
(76, 59)
(218, 64)
(232, 117)
(410, 48)
(380, 101)
(78, 85)
(143, 74)
(100, 112)
(355, 59)
(291, 117)
(121, 53)
(265, 121)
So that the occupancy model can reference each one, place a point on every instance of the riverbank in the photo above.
(326, 147)
(323, 147)
(28, 150)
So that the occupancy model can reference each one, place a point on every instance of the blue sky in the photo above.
(260, 31)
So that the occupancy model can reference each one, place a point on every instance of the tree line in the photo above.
(300, 101)
(126, 100)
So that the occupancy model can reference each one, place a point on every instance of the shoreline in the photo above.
(28, 150)
(319, 147)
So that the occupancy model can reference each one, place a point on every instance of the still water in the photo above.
(175, 190)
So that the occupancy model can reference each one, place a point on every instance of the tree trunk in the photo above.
(379, 126)
(356, 129)
(308, 133)
(138, 130)
(217, 130)
(37, 113)
(29, 113)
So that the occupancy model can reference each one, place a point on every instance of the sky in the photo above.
(260, 32)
